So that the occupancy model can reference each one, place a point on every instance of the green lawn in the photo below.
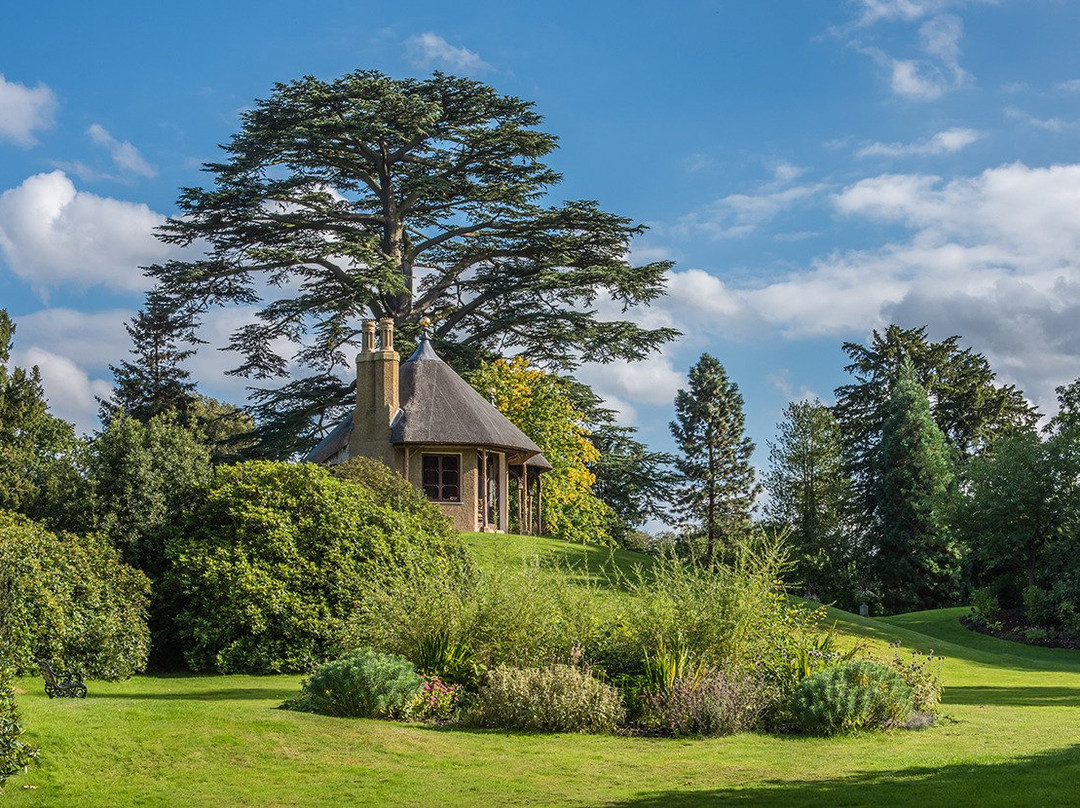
(1010, 737)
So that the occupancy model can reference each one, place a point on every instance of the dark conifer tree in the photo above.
(717, 489)
(156, 382)
(918, 559)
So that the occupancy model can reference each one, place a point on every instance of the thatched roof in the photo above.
(439, 407)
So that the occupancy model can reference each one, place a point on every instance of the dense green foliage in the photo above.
(145, 478)
(361, 684)
(850, 697)
(376, 197)
(718, 489)
(70, 598)
(389, 488)
(918, 559)
(277, 561)
(15, 753)
(810, 495)
(555, 698)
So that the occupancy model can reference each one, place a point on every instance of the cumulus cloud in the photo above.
(52, 234)
(947, 141)
(71, 393)
(124, 155)
(24, 110)
(429, 50)
(994, 257)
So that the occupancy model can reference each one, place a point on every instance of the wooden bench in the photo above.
(62, 683)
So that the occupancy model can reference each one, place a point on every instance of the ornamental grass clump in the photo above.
(850, 697)
(363, 684)
(555, 698)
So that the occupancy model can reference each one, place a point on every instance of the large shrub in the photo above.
(362, 684)
(15, 754)
(71, 598)
(850, 697)
(278, 562)
(556, 698)
(390, 488)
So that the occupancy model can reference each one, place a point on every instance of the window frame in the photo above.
(441, 485)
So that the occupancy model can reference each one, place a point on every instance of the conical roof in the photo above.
(439, 407)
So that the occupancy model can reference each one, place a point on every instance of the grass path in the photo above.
(1011, 737)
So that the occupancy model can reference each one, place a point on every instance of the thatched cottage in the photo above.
(423, 420)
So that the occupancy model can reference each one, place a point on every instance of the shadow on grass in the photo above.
(231, 694)
(1045, 779)
(1014, 696)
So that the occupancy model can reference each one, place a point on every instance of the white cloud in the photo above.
(52, 234)
(1070, 86)
(429, 50)
(124, 155)
(1047, 124)
(24, 110)
(739, 215)
(947, 141)
(994, 257)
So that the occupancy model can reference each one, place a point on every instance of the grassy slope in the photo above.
(1009, 739)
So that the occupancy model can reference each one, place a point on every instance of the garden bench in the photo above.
(63, 683)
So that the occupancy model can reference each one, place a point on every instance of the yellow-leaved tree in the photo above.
(540, 406)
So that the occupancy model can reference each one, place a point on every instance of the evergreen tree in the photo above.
(918, 560)
(156, 382)
(809, 494)
(38, 452)
(970, 408)
(367, 196)
(718, 488)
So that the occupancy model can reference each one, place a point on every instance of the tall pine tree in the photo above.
(918, 557)
(156, 382)
(718, 487)
(809, 494)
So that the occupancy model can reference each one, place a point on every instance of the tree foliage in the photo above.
(718, 487)
(810, 494)
(1022, 497)
(918, 560)
(970, 408)
(71, 598)
(540, 405)
(144, 478)
(156, 382)
(369, 196)
(38, 452)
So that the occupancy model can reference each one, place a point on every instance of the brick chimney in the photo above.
(376, 393)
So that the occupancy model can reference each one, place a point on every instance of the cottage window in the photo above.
(442, 477)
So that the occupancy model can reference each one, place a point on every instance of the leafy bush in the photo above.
(15, 755)
(363, 684)
(280, 562)
(984, 605)
(71, 598)
(1038, 605)
(391, 489)
(438, 700)
(711, 703)
(556, 698)
(923, 675)
(850, 697)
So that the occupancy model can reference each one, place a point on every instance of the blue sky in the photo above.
(815, 170)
